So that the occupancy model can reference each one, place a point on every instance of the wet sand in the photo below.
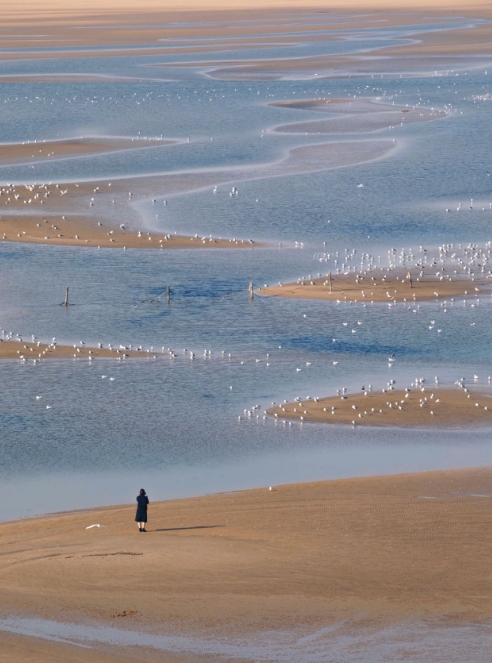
(66, 26)
(300, 557)
(156, 31)
(312, 104)
(327, 67)
(35, 151)
(429, 51)
(95, 52)
(451, 42)
(27, 649)
(28, 351)
(86, 232)
(424, 407)
(383, 286)
(352, 117)
(355, 106)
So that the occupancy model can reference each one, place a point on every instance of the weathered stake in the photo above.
(251, 290)
(168, 291)
(65, 303)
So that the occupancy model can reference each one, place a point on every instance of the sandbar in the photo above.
(50, 150)
(384, 286)
(27, 351)
(75, 230)
(424, 407)
(298, 558)
(358, 116)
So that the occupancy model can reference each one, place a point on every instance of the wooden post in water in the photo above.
(251, 291)
(409, 277)
(330, 281)
(168, 291)
(65, 303)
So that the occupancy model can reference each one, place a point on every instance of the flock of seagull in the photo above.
(31, 194)
(447, 263)
(419, 384)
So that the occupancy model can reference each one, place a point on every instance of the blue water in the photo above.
(172, 425)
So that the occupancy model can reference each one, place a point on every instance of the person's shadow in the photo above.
(179, 529)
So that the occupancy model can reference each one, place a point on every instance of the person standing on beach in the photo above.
(141, 515)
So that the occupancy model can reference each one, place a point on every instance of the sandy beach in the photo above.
(373, 551)
(425, 407)
(380, 286)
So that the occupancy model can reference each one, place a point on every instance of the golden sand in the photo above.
(380, 286)
(370, 550)
(86, 232)
(424, 407)
(28, 351)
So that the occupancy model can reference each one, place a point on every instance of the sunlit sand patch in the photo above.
(50, 150)
(384, 286)
(420, 407)
(34, 351)
(300, 559)
(88, 232)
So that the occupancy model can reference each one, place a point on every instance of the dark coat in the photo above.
(141, 516)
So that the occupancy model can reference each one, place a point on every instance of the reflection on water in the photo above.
(182, 416)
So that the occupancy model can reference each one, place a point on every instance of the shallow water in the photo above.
(345, 641)
(173, 425)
